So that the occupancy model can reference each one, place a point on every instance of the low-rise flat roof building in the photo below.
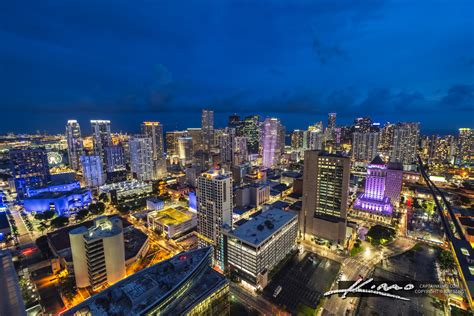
(122, 190)
(172, 222)
(60, 202)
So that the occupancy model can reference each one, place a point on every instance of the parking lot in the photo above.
(303, 281)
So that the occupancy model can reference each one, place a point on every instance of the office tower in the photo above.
(225, 142)
(101, 137)
(114, 158)
(185, 150)
(374, 199)
(98, 253)
(325, 188)
(250, 128)
(154, 131)
(240, 151)
(141, 158)
(182, 285)
(393, 182)
(92, 170)
(172, 142)
(74, 144)
(405, 143)
(29, 168)
(196, 135)
(363, 124)
(257, 246)
(332, 120)
(271, 138)
(214, 210)
(207, 126)
(465, 145)
(364, 146)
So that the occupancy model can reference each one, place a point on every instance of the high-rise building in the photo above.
(185, 150)
(393, 182)
(363, 124)
(325, 189)
(154, 131)
(74, 144)
(250, 128)
(405, 143)
(465, 145)
(29, 168)
(272, 138)
(196, 135)
(214, 210)
(240, 151)
(207, 127)
(182, 285)
(299, 140)
(444, 150)
(114, 158)
(226, 140)
(141, 158)
(98, 253)
(92, 170)
(172, 142)
(234, 121)
(332, 120)
(364, 146)
(101, 137)
(373, 199)
(257, 246)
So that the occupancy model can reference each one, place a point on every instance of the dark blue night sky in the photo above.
(130, 61)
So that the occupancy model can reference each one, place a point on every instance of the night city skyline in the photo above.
(392, 61)
(237, 158)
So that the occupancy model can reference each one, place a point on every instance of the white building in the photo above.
(365, 146)
(121, 190)
(185, 150)
(257, 246)
(172, 222)
(214, 209)
(101, 137)
(240, 151)
(141, 158)
(92, 170)
(405, 144)
(98, 253)
(273, 138)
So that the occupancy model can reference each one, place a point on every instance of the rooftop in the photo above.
(138, 293)
(170, 216)
(124, 185)
(54, 195)
(259, 228)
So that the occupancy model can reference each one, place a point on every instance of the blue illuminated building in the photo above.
(64, 187)
(63, 203)
(30, 168)
(192, 201)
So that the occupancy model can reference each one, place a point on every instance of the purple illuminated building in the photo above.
(374, 199)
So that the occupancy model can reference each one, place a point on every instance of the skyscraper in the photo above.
(114, 158)
(101, 137)
(207, 127)
(92, 170)
(405, 143)
(325, 187)
(154, 131)
(271, 138)
(141, 158)
(196, 135)
(74, 144)
(250, 128)
(465, 145)
(29, 168)
(98, 253)
(172, 141)
(364, 146)
(214, 210)
(226, 139)
(332, 120)
(185, 150)
(240, 151)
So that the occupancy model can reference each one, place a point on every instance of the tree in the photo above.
(59, 221)
(82, 214)
(104, 197)
(380, 235)
(97, 208)
(446, 260)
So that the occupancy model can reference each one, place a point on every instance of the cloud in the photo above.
(326, 52)
(459, 98)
